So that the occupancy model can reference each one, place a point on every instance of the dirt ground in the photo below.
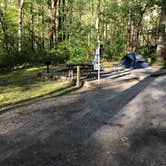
(124, 125)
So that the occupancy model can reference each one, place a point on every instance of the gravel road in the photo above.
(124, 125)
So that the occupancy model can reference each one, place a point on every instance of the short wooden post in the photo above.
(48, 70)
(78, 76)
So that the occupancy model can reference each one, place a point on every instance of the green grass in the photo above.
(23, 85)
(109, 64)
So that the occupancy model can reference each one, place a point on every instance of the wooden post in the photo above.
(48, 68)
(78, 76)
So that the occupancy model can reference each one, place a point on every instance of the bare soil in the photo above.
(124, 125)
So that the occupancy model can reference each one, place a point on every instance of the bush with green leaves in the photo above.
(78, 55)
(7, 61)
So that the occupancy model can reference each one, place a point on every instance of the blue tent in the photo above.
(133, 60)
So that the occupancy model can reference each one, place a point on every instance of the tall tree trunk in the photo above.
(161, 44)
(139, 24)
(134, 27)
(5, 4)
(70, 13)
(61, 20)
(43, 28)
(129, 35)
(20, 7)
(51, 20)
(98, 23)
(32, 26)
(4, 29)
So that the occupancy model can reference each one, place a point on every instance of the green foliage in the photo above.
(7, 61)
(78, 55)
(75, 30)
(62, 52)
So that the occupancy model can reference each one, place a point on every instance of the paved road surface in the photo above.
(123, 125)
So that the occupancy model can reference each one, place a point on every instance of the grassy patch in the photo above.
(109, 64)
(23, 85)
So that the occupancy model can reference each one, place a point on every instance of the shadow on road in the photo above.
(68, 145)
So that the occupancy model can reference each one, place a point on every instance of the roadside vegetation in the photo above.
(66, 31)
(23, 85)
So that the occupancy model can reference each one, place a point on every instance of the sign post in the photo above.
(98, 62)
(98, 39)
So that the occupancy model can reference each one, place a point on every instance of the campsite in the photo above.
(82, 83)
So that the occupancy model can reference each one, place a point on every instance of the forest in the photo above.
(68, 31)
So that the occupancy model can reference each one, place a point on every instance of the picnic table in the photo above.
(84, 68)
(80, 69)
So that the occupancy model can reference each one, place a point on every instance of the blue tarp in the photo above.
(134, 60)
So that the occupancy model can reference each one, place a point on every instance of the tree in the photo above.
(20, 12)
(135, 19)
(32, 25)
(61, 20)
(71, 29)
(51, 20)
(4, 29)
(161, 45)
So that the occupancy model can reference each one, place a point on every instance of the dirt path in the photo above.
(122, 125)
